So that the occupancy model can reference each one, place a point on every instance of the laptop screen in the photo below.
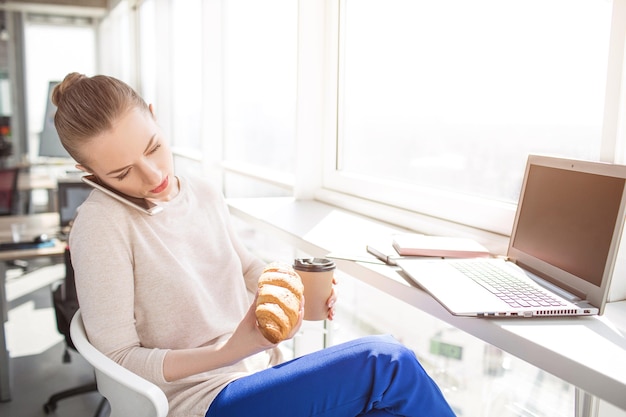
(71, 194)
(569, 222)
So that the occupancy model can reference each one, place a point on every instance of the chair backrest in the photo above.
(8, 191)
(65, 301)
(128, 394)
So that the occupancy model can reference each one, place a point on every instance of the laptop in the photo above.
(564, 243)
(72, 192)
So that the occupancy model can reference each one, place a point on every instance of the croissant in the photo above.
(278, 301)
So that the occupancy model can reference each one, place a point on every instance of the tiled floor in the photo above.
(36, 348)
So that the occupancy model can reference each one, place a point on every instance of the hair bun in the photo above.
(63, 86)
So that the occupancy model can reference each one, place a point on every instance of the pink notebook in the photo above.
(442, 246)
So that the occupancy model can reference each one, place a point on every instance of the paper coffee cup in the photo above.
(317, 277)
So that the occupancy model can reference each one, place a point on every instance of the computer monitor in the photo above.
(49, 141)
(72, 192)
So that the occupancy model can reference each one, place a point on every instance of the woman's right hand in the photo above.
(247, 333)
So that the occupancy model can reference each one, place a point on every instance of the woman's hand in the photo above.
(248, 333)
(332, 300)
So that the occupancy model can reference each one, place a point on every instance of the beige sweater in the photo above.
(178, 279)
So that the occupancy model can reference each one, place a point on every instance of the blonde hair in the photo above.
(88, 106)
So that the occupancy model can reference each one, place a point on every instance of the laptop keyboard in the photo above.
(509, 288)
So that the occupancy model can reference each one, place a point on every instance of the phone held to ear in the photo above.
(141, 204)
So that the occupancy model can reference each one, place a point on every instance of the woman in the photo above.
(171, 296)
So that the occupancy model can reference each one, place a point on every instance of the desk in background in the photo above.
(28, 182)
(36, 224)
(42, 177)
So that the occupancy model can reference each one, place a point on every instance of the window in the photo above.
(50, 49)
(259, 70)
(440, 103)
(148, 56)
(116, 44)
(187, 78)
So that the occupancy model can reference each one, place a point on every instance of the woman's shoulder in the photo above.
(102, 214)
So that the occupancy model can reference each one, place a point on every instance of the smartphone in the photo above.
(141, 204)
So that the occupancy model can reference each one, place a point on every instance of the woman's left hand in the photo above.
(332, 300)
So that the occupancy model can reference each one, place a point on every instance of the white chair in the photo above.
(128, 394)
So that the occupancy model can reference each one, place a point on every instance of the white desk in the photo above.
(588, 352)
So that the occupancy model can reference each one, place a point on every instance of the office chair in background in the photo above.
(65, 302)
(8, 191)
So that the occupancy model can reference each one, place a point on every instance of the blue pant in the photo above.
(370, 376)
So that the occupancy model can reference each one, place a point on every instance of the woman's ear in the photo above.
(83, 168)
(151, 108)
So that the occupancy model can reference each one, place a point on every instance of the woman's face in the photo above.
(133, 157)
